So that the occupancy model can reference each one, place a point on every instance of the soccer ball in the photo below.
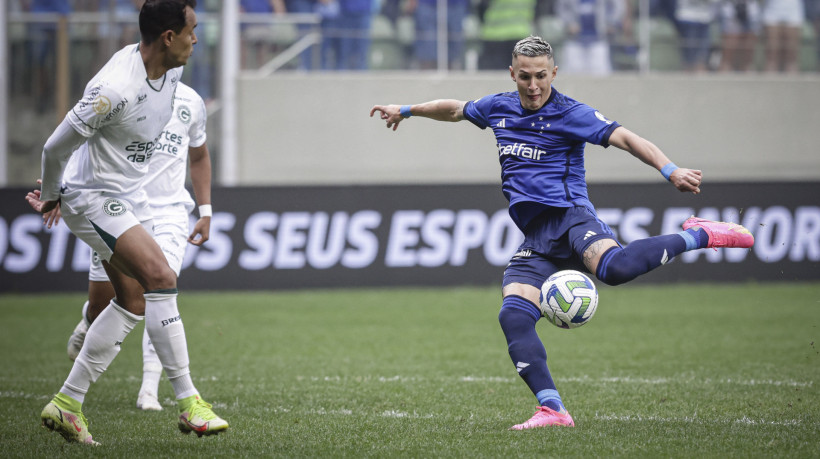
(568, 299)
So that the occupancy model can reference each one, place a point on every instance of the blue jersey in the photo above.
(541, 152)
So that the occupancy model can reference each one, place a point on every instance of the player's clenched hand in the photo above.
(390, 113)
(686, 180)
(202, 228)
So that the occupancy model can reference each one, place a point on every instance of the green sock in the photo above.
(67, 403)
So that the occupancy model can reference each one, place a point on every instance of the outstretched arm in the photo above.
(685, 180)
(439, 110)
(200, 161)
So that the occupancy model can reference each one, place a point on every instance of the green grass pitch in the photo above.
(673, 371)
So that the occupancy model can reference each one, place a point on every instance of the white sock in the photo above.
(164, 326)
(102, 344)
(151, 366)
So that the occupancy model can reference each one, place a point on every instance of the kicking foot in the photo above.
(545, 417)
(196, 416)
(722, 234)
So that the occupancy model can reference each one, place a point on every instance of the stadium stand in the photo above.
(385, 51)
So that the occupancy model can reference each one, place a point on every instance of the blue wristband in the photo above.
(405, 111)
(667, 170)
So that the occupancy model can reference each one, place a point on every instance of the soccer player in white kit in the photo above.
(170, 203)
(115, 128)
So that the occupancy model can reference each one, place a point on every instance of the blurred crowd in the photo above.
(594, 37)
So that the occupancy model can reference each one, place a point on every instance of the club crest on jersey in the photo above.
(602, 117)
(101, 105)
(184, 114)
(113, 207)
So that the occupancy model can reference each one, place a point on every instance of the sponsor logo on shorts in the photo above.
(113, 207)
(184, 114)
(101, 105)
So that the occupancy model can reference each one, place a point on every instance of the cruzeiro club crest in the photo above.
(184, 114)
(113, 207)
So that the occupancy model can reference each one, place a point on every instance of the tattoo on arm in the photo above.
(459, 115)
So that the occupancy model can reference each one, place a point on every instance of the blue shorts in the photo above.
(555, 240)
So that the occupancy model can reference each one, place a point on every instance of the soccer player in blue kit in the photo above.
(541, 135)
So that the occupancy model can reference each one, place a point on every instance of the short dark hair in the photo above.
(532, 46)
(157, 16)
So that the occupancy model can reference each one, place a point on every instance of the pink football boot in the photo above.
(722, 234)
(544, 417)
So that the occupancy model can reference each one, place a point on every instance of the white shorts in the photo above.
(171, 233)
(99, 219)
(96, 272)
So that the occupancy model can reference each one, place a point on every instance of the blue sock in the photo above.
(619, 265)
(517, 318)
(695, 238)
(550, 399)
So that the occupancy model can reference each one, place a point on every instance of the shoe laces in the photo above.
(202, 409)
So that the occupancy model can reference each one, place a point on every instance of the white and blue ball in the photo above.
(569, 299)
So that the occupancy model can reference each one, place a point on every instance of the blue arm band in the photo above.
(405, 111)
(667, 170)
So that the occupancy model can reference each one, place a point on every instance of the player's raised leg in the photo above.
(615, 265)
